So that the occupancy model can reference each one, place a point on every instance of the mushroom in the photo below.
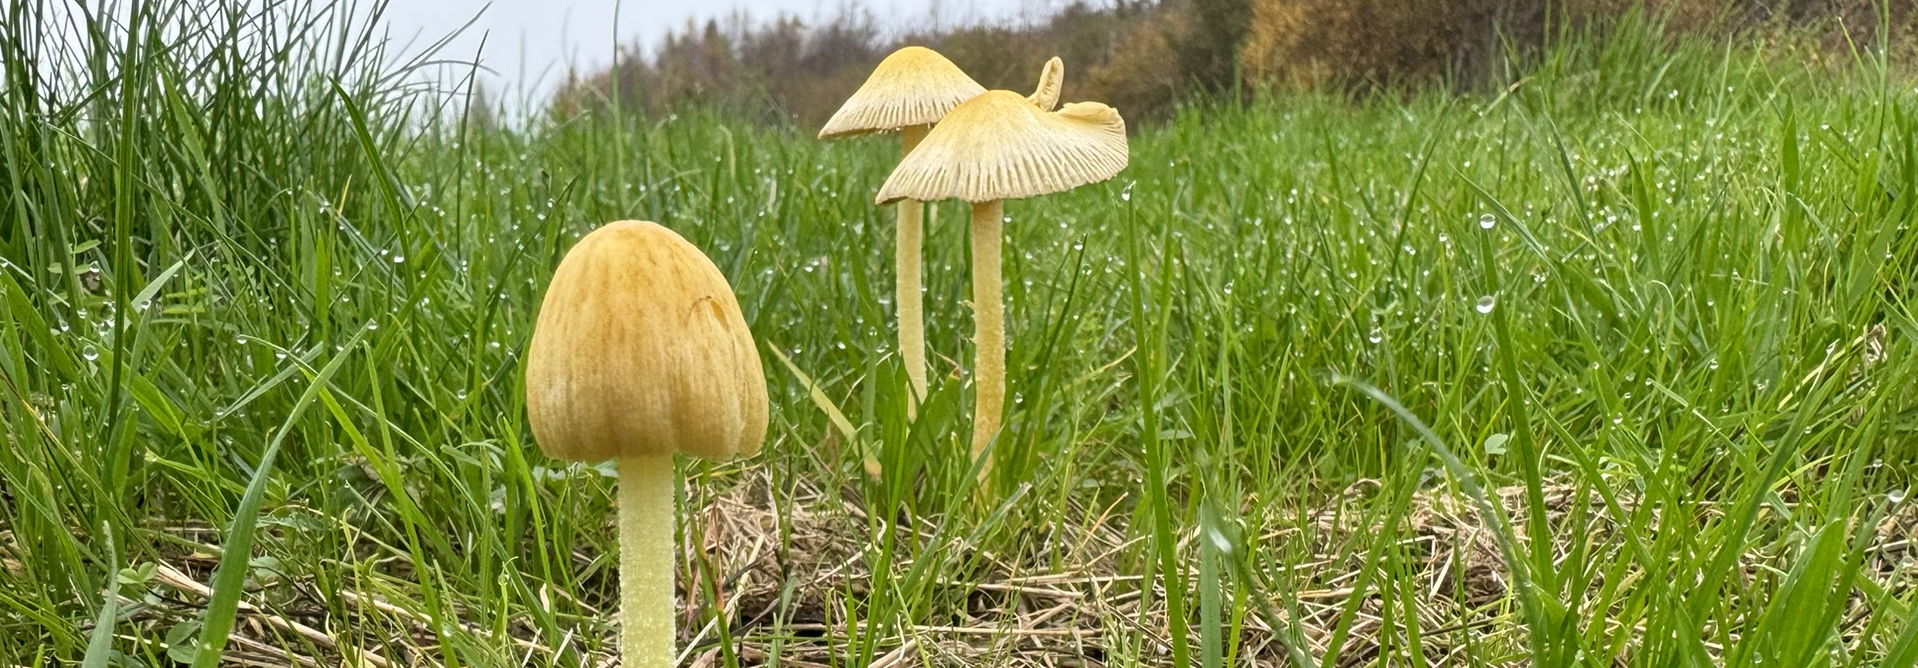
(999, 146)
(640, 352)
(909, 91)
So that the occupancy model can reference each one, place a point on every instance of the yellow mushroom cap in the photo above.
(640, 349)
(1000, 145)
(913, 86)
(1050, 80)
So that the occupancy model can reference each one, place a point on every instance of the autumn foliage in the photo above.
(1146, 57)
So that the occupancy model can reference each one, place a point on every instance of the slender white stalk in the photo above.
(989, 337)
(907, 294)
(646, 533)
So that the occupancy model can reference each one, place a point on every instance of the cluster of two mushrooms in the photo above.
(963, 142)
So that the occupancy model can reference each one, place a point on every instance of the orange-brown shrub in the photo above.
(1307, 44)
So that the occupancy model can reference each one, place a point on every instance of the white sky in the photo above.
(529, 43)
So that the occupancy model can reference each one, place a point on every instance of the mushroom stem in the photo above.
(906, 289)
(646, 533)
(989, 336)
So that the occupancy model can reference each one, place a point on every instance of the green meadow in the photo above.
(1612, 366)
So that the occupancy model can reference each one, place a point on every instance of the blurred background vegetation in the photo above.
(1146, 58)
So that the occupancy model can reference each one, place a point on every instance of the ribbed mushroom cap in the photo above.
(640, 349)
(999, 145)
(913, 86)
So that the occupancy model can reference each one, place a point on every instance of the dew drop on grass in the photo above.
(1485, 304)
(1487, 221)
(372, 325)
(399, 259)
(1125, 194)
(1895, 496)
(241, 339)
(90, 353)
(1376, 335)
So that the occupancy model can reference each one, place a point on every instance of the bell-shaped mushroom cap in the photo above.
(1050, 80)
(913, 86)
(639, 350)
(1000, 146)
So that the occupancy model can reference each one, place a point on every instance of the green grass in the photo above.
(1278, 395)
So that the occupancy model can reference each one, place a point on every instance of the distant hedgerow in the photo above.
(1146, 57)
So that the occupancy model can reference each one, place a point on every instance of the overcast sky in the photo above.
(530, 42)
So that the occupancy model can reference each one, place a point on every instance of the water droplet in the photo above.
(142, 305)
(241, 339)
(90, 353)
(398, 258)
(1126, 192)
(1485, 304)
(1376, 336)
(372, 325)
(1895, 496)
(1487, 221)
